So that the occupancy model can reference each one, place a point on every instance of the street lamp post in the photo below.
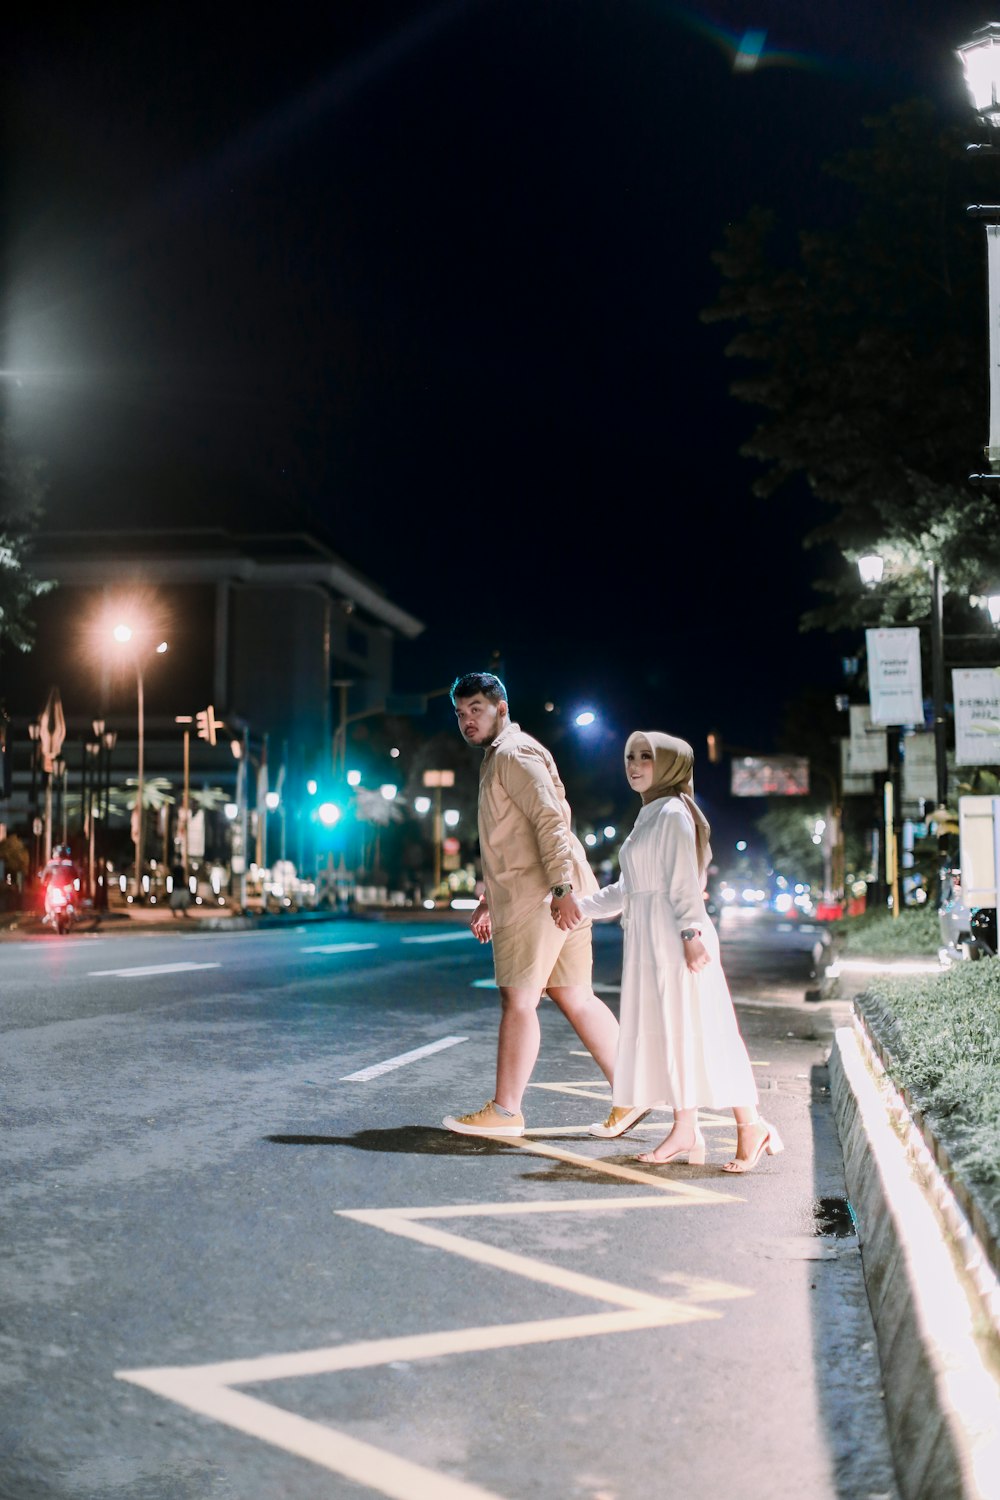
(124, 634)
(871, 568)
(187, 720)
(436, 780)
(980, 58)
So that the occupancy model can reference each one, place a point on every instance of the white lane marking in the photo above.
(439, 937)
(339, 948)
(148, 970)
(377, 1069)
(208, 1389)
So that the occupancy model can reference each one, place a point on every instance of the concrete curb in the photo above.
(942, 1391)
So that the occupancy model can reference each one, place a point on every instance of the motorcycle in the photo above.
(60, 907)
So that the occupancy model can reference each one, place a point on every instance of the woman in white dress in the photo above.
(679, 1042)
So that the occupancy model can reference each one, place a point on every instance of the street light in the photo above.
(436, 780)
(124, 635)
(871, 567)
(980, 59)
(874, 571)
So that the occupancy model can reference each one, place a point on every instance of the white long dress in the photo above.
(679, 1042)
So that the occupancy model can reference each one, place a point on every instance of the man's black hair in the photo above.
(478, 682)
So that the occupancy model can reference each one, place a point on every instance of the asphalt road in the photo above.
(242, 1260)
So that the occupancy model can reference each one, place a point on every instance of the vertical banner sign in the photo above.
(977, 715)
(853, 783)
(868, 746)
(894, 676)
(919, 767)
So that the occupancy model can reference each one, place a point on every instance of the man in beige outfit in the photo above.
(533, 866)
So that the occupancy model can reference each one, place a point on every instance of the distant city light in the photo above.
(388, 791)
(231, 811)
(610, 832)
(422, 805)
(329, 813)
(590, 840)
(354, 778)
(312, 787)
(273, 801)
(741, 844)
(452, 817)
(394, 753)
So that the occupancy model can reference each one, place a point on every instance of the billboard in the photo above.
(770, 776)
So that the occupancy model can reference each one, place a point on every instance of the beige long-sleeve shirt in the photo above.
(525, 837)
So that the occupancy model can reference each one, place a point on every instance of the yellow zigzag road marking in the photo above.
(208, 1389)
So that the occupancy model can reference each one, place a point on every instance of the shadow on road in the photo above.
(411, 1140)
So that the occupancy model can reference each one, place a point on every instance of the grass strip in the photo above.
(878, 934)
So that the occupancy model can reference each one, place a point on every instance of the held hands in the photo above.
(696, 955)
(481, 924)
(566, 912)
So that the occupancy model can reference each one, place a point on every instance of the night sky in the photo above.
(425, 279)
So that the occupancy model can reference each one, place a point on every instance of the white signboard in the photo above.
(976, 692)
(853, 783)
(869, 746)
(196, 835)
(894, 676)
(919, 767)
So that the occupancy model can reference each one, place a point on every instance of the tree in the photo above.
(870, 347)
(22, 491)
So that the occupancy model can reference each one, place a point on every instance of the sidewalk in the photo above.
(158, 917)
(932, 1286)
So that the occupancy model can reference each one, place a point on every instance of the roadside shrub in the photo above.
(878, 934)
(943, 1035)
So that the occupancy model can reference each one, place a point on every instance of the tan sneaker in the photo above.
(485, 1121)
(620, 1119)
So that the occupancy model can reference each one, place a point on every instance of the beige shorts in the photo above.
(536, 954)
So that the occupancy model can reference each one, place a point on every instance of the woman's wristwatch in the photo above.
(559, 891)
(687, 933)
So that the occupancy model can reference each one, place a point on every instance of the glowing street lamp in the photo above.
(871, 567)
(980, 58)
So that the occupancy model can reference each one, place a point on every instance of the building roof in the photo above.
(212, 555)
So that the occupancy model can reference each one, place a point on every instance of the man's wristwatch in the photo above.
(559, 891)
(687, 933)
